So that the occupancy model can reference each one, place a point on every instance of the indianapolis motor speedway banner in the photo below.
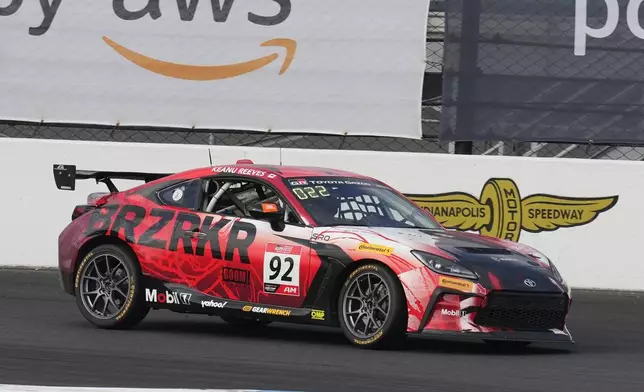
(322, 66)
(544, 70)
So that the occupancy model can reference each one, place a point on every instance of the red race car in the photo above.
(254, 244)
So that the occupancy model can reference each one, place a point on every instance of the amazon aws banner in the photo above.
(320, 66)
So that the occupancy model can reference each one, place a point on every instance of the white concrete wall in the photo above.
(604, 253)
(34, 211)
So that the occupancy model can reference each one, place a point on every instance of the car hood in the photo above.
(500, 264)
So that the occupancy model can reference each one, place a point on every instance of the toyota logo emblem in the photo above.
(530, 283)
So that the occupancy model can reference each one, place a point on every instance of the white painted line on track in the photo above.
(35, 388)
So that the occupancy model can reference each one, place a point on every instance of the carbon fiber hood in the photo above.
(499, 264)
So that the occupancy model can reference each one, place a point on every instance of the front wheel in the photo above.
(108, 288)
(372, 308)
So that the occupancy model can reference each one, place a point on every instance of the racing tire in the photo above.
(372, 308)
(245, 322)
(108, 288)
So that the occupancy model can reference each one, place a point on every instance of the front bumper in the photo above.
(497, 315)
(516, 336)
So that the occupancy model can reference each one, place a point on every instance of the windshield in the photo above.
(335, 201)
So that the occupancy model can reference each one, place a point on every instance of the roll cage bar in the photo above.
(224, 189)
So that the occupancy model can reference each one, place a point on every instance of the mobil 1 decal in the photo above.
(282, 269)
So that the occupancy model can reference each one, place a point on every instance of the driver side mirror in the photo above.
(271, 213)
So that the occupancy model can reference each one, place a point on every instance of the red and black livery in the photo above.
(260, 243)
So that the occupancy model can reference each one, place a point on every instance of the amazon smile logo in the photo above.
(501, 212)
(212, 72)
(221, 10)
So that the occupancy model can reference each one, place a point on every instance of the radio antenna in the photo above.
(210, 157)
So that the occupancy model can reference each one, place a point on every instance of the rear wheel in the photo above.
(108, 288)
(372, 308)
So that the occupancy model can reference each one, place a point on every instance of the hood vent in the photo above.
(486, 251)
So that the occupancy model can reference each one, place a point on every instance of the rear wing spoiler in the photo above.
(66, 176)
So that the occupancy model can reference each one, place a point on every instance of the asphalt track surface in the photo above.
(45, 341)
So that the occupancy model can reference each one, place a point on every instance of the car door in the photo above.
(248, 259)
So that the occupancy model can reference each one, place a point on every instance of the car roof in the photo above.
(307, 171)
(278, 170)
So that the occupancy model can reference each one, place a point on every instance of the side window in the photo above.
(185, 194)
(235, 197)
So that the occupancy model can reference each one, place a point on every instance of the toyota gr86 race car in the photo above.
(254, 244)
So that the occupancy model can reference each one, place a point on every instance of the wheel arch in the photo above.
(97, 241)
(342, 277)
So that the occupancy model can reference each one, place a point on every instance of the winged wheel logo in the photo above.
(501, 212)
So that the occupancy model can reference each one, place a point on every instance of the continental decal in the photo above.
(501, 212)
(456, 284)
(370, 340)
(361, 268)
(373, 248)
(155, 9)
(80, 269)
(129, 301)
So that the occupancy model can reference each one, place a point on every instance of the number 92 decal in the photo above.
(282, 269)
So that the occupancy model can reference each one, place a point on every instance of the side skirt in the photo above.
(182, 299)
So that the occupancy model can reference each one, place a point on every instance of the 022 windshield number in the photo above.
(311, 192)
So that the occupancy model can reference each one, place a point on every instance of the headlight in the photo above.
(556, 273)
(544, 259)
(443, 266)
